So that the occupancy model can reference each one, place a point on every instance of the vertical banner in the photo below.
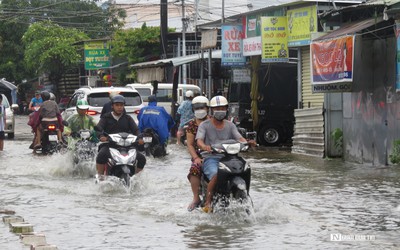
(332, 60)
(274, 40)
(397, 31)
(301, 23)
(232, 54)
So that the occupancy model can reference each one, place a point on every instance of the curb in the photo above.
(36, 241)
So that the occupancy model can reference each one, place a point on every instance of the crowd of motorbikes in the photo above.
(233, 175)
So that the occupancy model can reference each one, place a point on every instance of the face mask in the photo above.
(200, 114)
(219, 115)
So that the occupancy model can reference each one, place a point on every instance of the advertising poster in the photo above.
(301, 23)
(274, 40)
(332, 60)
(97, 55)
(232, 46)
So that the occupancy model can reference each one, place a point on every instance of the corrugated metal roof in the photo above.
(176, 61)
(351, 28)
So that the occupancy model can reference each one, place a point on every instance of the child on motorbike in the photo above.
(200, 109)
(80, 121)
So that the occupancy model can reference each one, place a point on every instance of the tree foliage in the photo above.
(97, 21)
(50, 48)
(137, 45)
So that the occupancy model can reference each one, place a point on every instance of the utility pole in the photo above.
(164, 27)
(183, 41)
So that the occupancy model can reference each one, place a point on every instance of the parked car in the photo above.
(97, 97)
(164, 93)
(10, 119)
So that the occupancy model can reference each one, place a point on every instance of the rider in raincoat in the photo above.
(80, 121)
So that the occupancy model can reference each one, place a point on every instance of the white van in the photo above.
(164, 92)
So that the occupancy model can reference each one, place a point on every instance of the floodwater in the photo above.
(299, 203)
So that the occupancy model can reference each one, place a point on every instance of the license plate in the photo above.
(52, 137)
(147, 139)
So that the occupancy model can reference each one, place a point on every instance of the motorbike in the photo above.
(151, 143)
(84, 152)
(123, 150)
(49, 139)
(233, 176)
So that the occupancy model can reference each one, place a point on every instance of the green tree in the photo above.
(137, 45)
(49, 48)
(12, 65)
(97, 21)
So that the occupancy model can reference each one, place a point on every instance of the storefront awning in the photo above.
(176, 61)
(350, 28)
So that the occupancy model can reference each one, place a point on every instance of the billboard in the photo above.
(97, 55)
(332, 64)
(301, 23)
(274, 40)
(232, 37)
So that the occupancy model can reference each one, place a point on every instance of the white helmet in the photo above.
(189, 93)
(200, 102)
(218, 101)
(52, 97)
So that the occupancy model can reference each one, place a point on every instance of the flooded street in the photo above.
(299, 203)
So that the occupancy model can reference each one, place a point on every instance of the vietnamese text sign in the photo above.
(241, 75)
(97, 55)
(252, 46)
(301, 23)
(274, 40)
(332, 60)
(232, 54)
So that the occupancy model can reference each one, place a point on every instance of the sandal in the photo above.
(207, 209)
(193, 205)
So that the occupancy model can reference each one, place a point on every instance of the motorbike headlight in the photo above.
(232, 149)
(116, 155)
(85, 134)
(132, 155)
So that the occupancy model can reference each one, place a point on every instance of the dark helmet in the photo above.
(45, 95)
(118, 99)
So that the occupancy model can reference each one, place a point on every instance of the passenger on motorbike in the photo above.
(212, 131)
(200, 108)
(48, 112)
(185, 113)
(115, 122)
(156, 118)
(80, 121)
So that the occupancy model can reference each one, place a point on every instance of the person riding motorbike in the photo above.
(156, 118)
(48, 112)
(115, 122)
(212, 131)
(200, 108)
(80, 121)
